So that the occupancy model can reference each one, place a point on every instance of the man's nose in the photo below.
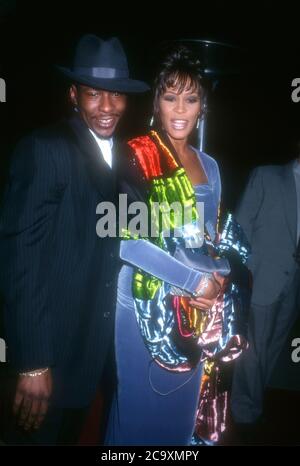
(106, 103)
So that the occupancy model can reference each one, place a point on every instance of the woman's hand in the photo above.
(213, 285)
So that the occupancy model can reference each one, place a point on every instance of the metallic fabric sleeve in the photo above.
(157, 262)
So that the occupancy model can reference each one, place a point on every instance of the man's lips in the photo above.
(105, 122)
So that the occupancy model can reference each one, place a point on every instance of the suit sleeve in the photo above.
(250, 203)
(32, 196)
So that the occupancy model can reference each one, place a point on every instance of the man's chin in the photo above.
(104, 133)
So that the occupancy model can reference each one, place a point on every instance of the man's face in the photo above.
(100, 109)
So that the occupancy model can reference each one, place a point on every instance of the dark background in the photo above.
(251, 121)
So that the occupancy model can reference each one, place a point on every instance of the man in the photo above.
(269, 212)
(58, 276)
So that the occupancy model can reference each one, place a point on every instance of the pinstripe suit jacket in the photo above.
(58, 278)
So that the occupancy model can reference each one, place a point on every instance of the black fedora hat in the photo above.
(102, 64)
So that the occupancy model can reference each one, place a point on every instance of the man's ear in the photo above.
(73, 93)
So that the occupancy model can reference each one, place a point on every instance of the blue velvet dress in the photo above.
(153, 406)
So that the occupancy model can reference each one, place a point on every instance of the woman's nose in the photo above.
(180, 106)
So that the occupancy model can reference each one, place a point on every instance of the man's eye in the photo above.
(118, 94)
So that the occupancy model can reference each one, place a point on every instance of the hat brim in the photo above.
(126, 85)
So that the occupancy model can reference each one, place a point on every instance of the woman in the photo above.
(170, 283)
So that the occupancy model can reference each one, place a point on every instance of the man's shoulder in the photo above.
(43, 147)
(267, 171)
(269, 175)
(50, 142)
(51, 134)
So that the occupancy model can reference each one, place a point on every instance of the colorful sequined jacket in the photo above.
(177, 334)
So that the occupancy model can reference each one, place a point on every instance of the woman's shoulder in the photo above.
(208, 161)
(138, 138)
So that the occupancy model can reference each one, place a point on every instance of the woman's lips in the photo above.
(179, 124)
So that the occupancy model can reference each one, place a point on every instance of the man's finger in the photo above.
(33, 413)
(43, 408)
(17, 402)
(24, 411)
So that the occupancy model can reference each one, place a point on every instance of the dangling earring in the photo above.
(151, 121)
(198, 123)
(74, 104)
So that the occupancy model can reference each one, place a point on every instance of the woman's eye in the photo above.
(192, 100)
(169, 98)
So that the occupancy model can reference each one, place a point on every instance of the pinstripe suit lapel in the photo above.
(102, 176)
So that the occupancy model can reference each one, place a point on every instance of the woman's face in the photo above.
(178, 112)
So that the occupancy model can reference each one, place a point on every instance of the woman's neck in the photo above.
(181, 147)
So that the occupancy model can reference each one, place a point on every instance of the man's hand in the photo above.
(32, 399)
(211, 292)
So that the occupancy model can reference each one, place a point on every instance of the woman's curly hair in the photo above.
(179, 68)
